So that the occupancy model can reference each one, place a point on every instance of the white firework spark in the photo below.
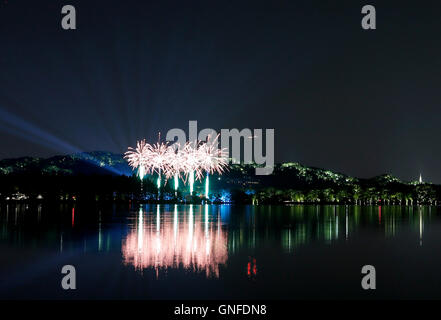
(191, 160)
(188, 162)
(212, 159)
(158, 158)
(137, 157)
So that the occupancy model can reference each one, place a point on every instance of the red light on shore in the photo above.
(252, 268)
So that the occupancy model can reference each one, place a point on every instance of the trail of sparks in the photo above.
(188, 162)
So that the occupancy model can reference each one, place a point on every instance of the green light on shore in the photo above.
(191, 181)
(176, 182)
(141, 172)
(158, 182)
(207, 185)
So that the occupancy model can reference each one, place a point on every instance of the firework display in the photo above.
(188, 162)
(212, 160)
(137, 157)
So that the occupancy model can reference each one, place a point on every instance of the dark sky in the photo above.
(339, 97)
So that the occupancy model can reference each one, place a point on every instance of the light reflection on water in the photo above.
(183, 230)
(162, 240)
(332, 223)
(217, 251)
(298, 224)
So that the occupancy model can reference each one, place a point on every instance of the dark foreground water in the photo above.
(211, 252)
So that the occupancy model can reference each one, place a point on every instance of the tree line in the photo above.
(124, 188)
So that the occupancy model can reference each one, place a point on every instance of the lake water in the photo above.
(219, 251)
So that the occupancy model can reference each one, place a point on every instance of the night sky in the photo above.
(339, 97)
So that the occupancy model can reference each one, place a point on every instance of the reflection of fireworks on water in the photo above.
(190, 241)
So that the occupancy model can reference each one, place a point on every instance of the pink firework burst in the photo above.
(138, 157)
(159, 158)
(211, 158)
(191, 160)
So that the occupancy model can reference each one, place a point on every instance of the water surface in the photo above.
(219, 251)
